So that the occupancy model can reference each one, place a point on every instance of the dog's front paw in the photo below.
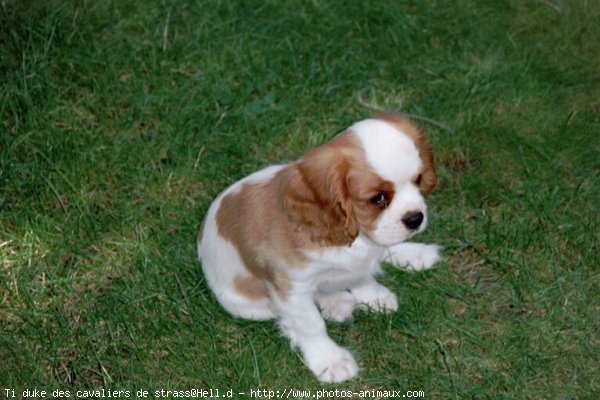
(376, 297)
(424, 257)
(414, 256)
(336, 306)
(334, 365)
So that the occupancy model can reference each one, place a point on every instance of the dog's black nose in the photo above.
(413, 220)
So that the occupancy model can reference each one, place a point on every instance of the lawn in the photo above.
(120, 121)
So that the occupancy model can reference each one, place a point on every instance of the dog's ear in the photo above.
(429, 177)
(316, 197)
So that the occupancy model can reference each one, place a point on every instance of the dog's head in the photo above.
(372, 178)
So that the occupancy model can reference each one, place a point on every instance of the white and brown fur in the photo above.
(301, 242)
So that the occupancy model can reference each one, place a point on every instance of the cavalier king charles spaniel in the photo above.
(302, 242)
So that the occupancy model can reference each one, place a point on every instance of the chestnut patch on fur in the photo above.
(250, 287)
(364, 186)
(316, 198)
(263, 237)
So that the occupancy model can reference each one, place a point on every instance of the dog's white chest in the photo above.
(342, 266)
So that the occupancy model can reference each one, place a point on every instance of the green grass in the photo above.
(121, 120)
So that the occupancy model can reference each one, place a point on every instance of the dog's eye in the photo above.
(418, 180)
(380, 200)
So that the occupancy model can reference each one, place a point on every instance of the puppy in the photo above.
(301, 242)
